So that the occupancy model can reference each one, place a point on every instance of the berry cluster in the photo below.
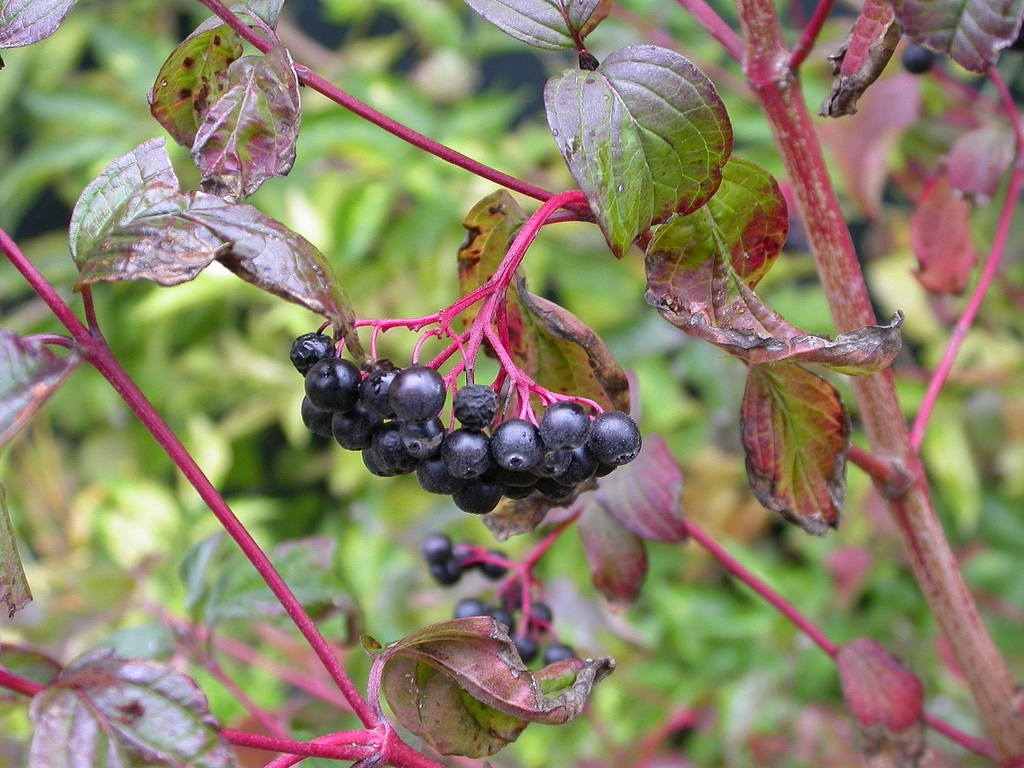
(447, 563)
(393, 416)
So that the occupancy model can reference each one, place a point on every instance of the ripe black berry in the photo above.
(557, 652)
(515, 444)
(582, 467)
(917, 59)
(564, 425)
(541, 612)
(471, 606)
(375, 389)
(434, 477)
(519, 492)
(317, 421)
(310, 348)
(446, 572)
(332, 384)
(527, 648)
(614, 438)
(423, 439)
(553, 489)
(553, 463)
(475, 406)
(375, 467)
(436, 548)
(505, 617)
(417, 393)
(478, 496)
(466, 453)
(493, 570)
(389, 452)
(354, 428)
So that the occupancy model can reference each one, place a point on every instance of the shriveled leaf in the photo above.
(796, 435)
(249, 134)
(23, 22)
(14, 589)
(645, 136)
(461, 686)
(885, 698)
(513, 517)
(194, 76)
(972, 32)
(940, 236)
(862, 57)
(106, 711)
(978, 160)
(29, 374)
(617, 557)
(27, 663)
(646, 495)
(548, 24)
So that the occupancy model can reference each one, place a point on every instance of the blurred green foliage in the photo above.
(106, 522)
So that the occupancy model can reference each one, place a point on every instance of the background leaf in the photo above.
(617, 557)
(249, 134)
(29, 374)
(23, 22)
(105, 711)
(796, 434)
(972, 32)
(14, 589)
(645, 136)
(978, 160)
(940, 236)
(547, 24)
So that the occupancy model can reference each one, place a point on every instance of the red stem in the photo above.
(13, 682)
(356, 745)
(810, 35)
(366, 112)
(715, 26)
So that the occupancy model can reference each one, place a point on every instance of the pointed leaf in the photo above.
(249, 134)
(940, 236)
(972, 32)
(645, 136)
(617, 557)
(978, 160)
(461, 686)
(549, 24)
(796, 434)
(23, 22)
(194, 76)
(105, 711)
(646, 495)
(885, 699)
(14, 589)
(29, 374)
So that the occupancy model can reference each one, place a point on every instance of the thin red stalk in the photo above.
(13, 682)
(884, 473)
(715, 26)
(356, 745)
(810, 34)
(89, 307)
(992, 264)
(973, 743)
(366, 112)
(264, 718)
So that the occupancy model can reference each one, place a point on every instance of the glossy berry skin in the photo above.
(553, 463)
(614, 438)
(478, 496)
(519, 492)
(553, 489)
(446, 572)
(516, 445)
(309, 349)
(527, 647)
(434, 477)
(557, 652)
(581, 467)
(471, 606)
(466, 453)
(917, 59)
(493, 570)
(375, 467)
(417, 394)
(475, 406)
(436, 548)
(564, 425)
(388, 450)
(376, 389)
(353, 429)
(317, 421)
(332, 384)
(423, 439)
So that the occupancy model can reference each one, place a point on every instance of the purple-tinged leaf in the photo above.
(646, 495)
(461, 686)
(14, 589)
(23, 22)
(977, 162)
(972, 32)
(940, 236)
(861, 58)
(885, 698)
(796, 434)
(194, 76)
(617, 557)
(27, 663)
(106, 711)
(645, 136)
(249, 134)
(553, 25)
(29, 374)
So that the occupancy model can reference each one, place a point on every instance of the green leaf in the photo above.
(617, 557)
(28, 663)
(192, 79)
(29, 374)
(701, 269)
(796, 434)
(104, 711)
(23, 22)
(14, 589)
(972, 32)
(249, 134)
(461, 686)
(553, 25)
(645, 136)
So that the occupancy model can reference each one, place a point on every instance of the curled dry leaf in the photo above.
(461, 686)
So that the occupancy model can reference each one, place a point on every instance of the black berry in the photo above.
(505, 617)
(493, 570)
(553, 463)
(614, 438)
(354, 428)
(436, 548)
(555, 490)
(564, 425)
(475, 406)
(466, 453)
(478, 496)
(527, 648)
(417, 394)
(518, 492)
(434, 477)
(515, 444)
(582, 467)
(389, 451)
(917, 59)
(446, 572)
(471, 606)
(375, 467)
(423, 439)
(309, 349)
(317, 421)
(541, 612)
(557, 652)
(332, 384)
(376, 388)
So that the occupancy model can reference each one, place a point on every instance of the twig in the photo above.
(716, 26)
(810, 34)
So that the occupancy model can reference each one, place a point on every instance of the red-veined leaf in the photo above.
(972, 32)
(29, 374)
(548, 24)
(23, 22)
